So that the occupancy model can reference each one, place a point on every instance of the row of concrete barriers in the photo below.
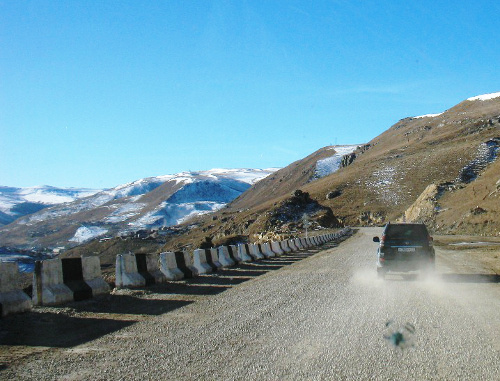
(137, 270)
(57, 281)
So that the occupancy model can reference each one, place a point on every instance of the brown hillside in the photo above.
(385, 180)
(455, 151)
(282, 182)
(382, 182)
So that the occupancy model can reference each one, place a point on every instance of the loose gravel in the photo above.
(316, 316)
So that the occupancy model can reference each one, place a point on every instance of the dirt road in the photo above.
(318, 315)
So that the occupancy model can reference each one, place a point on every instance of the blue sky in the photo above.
(99, 93)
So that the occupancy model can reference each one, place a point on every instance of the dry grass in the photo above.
(385, 180)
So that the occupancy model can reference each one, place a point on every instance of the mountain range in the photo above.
(18, 202)
(48, 217)
(441, 169)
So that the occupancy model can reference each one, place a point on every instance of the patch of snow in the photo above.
(475, 244)
(169, 214)
(427, 116)
(135, 188)
(86, 233)
(331, 164)
(486, 153)
(249, 176)
(385, 183)
(46, 195)
(485, 97)
(125, 212)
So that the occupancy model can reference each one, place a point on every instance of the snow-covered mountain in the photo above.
(18, 202)
(147, 203)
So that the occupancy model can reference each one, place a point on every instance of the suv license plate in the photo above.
(406, 249)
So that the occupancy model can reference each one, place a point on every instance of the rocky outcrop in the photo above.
(371, 218)
(349, 158)
(289, 214)
(334, 193)
(425, 207)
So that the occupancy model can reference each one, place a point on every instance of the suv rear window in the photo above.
(406, 231)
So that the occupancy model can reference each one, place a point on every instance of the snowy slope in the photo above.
(427, 116)
(485, 97)
(17, 202)
(331, 164)
(143, 204)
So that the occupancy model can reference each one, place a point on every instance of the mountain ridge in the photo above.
(374, 183)
(153, 201)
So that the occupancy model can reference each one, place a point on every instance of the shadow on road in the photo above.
(190, 287)
(218, 280)
(128, 305)
(470, 278)
(447, 278)
(48, 329)
(241, 271)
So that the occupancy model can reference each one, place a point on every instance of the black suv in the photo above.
(404, 247)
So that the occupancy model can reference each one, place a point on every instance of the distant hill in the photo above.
(148, 203)
(18, 202)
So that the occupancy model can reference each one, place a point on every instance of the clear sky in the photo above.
(99, 93)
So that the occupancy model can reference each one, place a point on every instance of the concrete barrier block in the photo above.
(127, 274)
(266, 250)
(213, 258)
(168, 266)
(185, 263)
(304, 243)
(224, 257)
(234, 254)
(284, 245)
(291, 245)
(92, 275)
(200, 262)
(48, 284)
(12, 298)
(243, 253)
(149, 268)
(254, 251)
(72, 269)
(153, 267)
(275, 247)
(298, 243)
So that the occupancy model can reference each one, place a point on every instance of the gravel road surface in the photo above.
(322, 315)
